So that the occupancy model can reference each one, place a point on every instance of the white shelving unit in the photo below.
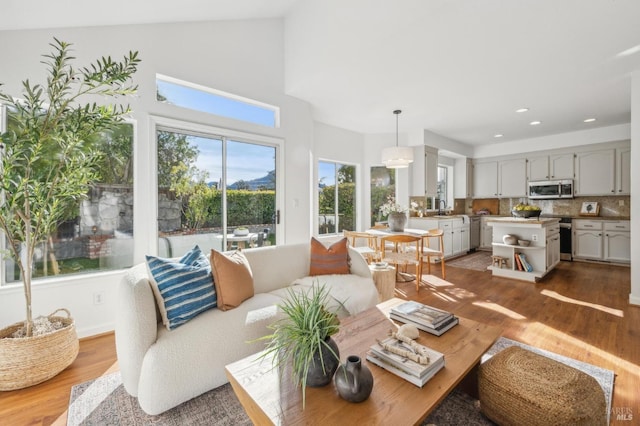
(533, 255)
(538, 232)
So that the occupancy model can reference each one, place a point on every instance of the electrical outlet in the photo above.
(534, 237)
(621, 203)
(98, 298)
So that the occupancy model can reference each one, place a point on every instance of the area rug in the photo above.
(478, 261)
(105, 402)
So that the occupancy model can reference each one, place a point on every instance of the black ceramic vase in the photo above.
(318, 376)
(353, 380)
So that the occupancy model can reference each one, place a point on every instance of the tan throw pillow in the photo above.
(232, 277)
(329, 260)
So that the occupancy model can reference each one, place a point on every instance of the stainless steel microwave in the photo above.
(549, 189)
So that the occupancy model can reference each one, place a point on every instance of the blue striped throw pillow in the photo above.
(183, 288)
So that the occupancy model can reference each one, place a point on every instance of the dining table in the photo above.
(383, 232)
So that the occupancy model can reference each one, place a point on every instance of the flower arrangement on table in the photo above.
(391, 207)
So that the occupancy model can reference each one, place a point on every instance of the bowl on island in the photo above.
(524, 243)
(509, 239)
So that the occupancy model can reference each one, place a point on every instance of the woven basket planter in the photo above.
(28, 361)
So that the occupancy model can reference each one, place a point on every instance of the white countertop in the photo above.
(524, 221)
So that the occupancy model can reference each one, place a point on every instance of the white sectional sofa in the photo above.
(166, 368)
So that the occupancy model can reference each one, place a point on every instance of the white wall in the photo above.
(241, 57)
(634, 297)
(560, 140)
(343, 146)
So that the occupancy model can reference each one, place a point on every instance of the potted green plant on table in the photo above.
(47, 164)
(302, 338)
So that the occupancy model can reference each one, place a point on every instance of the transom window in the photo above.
(200, 98)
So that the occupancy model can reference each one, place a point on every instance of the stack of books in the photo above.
(521, 262)
(426, 318)
(412, 371)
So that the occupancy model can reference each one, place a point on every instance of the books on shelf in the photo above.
(410, 370)
(516, 260)
(523, 265)
(426, 318)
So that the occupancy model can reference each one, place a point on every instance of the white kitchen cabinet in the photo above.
(557, 166)
(623, 171)
(469, 178)
(455, 237)
(538, 168)
(512, 178)
(505, 178)
(587, 239)
(553, 250)
(425, 171)
(485, 179)
(561, 166)
(465, 238)
(608, 241)
(486, 233)
(595, 173)
(617, 242)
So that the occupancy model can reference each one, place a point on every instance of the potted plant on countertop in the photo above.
(47, 165)
(302, 339)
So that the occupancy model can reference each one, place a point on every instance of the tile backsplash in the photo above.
(609, 206)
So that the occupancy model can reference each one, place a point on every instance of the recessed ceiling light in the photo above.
(535, 123)
(589, 120)
(498, 135)
(522, 110)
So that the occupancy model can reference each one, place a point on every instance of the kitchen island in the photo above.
(532, 262)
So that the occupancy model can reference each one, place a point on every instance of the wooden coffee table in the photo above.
(269, 397)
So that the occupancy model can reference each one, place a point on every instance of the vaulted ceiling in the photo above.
(459, 68)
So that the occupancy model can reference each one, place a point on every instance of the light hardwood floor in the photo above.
(580, 310)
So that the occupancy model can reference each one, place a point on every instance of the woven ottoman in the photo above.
(519, 387)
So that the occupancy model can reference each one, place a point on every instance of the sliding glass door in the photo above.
(214, 191)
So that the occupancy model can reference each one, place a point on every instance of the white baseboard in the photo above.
(634, 300)
(93, 331)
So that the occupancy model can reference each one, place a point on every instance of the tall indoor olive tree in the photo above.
(47, 158)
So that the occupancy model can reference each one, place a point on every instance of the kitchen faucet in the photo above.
(440, 206)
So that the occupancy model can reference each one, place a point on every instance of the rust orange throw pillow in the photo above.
(232, 278)
(329, 260)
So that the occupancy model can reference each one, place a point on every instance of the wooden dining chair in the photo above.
(402, 249)
(363, 243)
(433, 246)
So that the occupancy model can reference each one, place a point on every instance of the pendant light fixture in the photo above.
(397, 157)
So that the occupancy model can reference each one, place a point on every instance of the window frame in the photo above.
(222, 94)
(176, 125)
(70, 277)
(356, 203)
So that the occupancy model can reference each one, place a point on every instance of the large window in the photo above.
(97, 232)
(383, 186)
(214, 191)
(200, 98)
(336, 197)
(441, 197)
